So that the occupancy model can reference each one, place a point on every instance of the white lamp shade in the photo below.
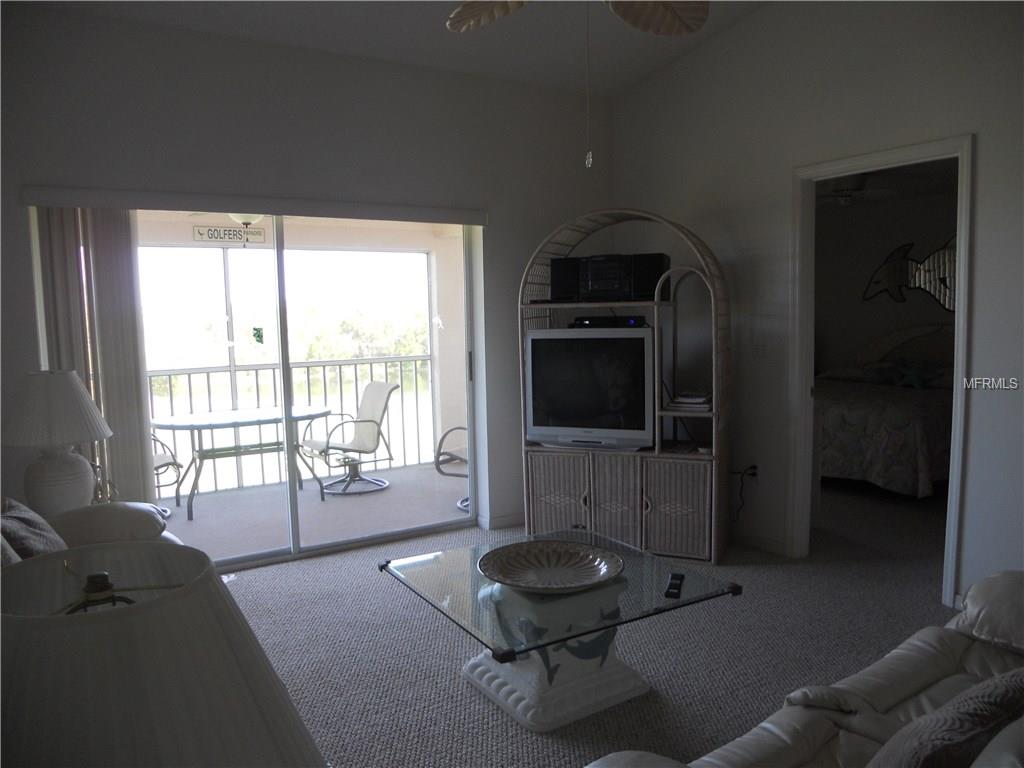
(55, 409)
(176, 679)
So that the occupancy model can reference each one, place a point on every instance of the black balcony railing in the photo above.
(335, 384)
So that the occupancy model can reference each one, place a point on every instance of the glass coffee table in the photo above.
(550, 658)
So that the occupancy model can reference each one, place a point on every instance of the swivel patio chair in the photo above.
(444, 457)
(351, 443)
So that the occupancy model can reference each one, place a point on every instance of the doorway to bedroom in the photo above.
(884, 343)
(881, 267)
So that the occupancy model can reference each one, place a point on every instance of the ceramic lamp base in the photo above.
(59, 480)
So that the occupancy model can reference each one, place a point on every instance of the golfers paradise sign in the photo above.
(228, 235)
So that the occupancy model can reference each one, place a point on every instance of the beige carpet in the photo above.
(374, 670)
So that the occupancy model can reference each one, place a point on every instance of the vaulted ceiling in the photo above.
(542, 44)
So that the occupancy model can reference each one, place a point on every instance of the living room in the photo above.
(111, 109)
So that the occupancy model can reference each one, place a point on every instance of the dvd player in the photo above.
(610, 321)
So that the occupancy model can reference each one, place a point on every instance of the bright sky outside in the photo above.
(340, 303)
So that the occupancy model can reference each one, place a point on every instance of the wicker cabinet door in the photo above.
(677, 507)
(615, 506)
(558, 486)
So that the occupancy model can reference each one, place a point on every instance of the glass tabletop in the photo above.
(511, 622)
(250, 417)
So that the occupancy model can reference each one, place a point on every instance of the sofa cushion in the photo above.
(955, 734)
(934, 696)
(26, 532)
(789, 738)
(994, 611)
(112, 521)
(984, 660)
(919, 662)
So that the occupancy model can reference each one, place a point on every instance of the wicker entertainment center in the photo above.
(669, 498)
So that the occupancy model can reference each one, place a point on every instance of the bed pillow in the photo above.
(26, 532)
(994, 611)
(956, 733)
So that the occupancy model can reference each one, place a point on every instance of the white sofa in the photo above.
(845, 724)
(26, 534)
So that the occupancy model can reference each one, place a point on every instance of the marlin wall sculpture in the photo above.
(936, 274)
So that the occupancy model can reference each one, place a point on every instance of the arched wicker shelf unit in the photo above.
(671, 498)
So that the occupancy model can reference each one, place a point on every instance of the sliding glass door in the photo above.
(364, 327)
(375, 363)
(214, 382)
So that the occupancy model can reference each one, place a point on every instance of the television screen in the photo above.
(590, 383)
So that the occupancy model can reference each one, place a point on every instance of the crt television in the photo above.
(590, 387)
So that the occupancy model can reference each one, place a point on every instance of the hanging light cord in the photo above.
(590, 155)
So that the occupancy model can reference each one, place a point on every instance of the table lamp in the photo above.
(161, 669)
(54, 412)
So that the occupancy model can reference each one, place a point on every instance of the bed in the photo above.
(887, 420)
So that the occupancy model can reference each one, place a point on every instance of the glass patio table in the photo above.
(550, 658)
(198, 423)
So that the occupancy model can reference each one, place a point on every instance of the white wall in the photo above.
(123, 106)
(713, 142)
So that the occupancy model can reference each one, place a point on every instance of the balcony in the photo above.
(241, 504)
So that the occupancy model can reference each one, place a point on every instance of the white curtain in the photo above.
(91, 303)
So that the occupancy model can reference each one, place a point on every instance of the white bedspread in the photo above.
(894, 437)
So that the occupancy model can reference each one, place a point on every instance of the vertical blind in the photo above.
(89, 282)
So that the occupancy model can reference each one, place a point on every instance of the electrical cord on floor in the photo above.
(750, 471)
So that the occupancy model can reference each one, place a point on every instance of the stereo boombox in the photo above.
(617, 277)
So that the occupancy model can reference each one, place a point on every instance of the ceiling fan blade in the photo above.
(472, 15)
(662, 18)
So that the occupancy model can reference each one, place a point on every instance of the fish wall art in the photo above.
(936, 274)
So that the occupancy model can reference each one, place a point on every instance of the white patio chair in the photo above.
(351, 443)
(167, 470)
(445, 456)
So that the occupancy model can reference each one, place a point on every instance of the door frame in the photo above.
(802, 332)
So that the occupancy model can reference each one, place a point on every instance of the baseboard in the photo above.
(506, 521)
(763, 543)
(245, 562)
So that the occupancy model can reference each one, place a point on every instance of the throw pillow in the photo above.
(956, 733)
(26, 532)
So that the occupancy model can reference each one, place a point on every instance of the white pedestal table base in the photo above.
(579, 687)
